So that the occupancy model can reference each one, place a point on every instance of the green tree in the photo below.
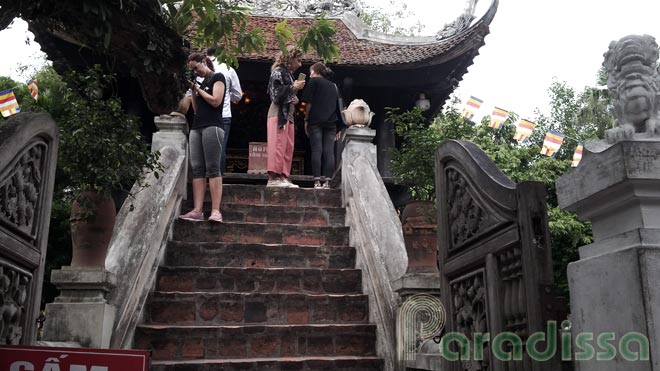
(145, 38)
(100, 147)
(523, 161)
(382, 20)
(414, 161)
(226, 25)
(580, 116)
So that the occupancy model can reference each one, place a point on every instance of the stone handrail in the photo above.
(375, 233)
(140, 235)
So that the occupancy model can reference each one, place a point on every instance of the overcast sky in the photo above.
(530, 43)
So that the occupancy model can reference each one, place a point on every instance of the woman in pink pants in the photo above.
(282, 89)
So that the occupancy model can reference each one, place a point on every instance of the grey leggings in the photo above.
(322, 141)
(206, 151)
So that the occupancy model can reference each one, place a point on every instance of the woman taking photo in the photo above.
(206, 135)
(321, 122)
(282, 90)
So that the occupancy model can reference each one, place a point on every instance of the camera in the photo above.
(190, 76)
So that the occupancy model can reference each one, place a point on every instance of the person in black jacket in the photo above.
(282, 90)
(321, 122)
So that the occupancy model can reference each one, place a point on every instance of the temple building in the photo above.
(384, 70)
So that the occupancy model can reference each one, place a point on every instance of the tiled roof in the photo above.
(355, 51)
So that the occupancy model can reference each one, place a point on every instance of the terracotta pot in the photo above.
(420, 235)
(91, 229)
(419, 208)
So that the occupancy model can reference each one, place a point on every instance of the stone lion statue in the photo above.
(634, 81)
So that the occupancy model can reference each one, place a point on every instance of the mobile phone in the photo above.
(301, 77)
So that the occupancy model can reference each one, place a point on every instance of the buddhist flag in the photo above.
(552, 143)
(497, 118)
(471, 107)
(524, 130)
(34, 89)
(577, 156)
(8, 103)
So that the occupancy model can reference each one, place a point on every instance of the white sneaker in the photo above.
(287, 183)
(275, 183)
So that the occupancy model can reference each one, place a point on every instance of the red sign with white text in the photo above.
(31, 358)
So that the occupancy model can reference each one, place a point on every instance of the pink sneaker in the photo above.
(193, 216)
(215, 216)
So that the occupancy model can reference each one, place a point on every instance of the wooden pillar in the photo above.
(384, 132)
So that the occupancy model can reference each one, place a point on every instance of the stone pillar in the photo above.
(615, 286)
(416, 291)
(173, 131)
(81, 313)
(357, 141)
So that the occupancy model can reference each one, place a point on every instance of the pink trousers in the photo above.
(280, 147)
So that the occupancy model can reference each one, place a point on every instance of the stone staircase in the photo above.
(274, 287)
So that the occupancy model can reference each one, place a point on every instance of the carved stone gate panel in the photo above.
(494, 256)
(28, 154)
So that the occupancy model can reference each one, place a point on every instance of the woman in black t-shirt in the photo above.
(206, 135)
(321, 122)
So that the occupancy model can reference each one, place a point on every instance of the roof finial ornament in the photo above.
(459, 24)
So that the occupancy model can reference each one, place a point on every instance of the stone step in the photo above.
(268, 233)
(202, 308)
(254, 341)
(217, 254)
(260, 280)
(292, 197)
(302, 215)
(337, 363)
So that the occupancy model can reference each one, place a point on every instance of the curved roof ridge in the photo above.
(356, 49)
(362, 32)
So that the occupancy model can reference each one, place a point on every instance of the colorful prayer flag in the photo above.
(552, 143)
(577, 156)
(8, 103)
(524, 130)
(34, 89)
(471, 107)
(497, 118)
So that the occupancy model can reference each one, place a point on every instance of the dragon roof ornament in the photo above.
(300, 8)
(459, 24)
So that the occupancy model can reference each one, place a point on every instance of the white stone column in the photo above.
(357, 141)
(173, 132)
(615, 286)
(81, 313)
